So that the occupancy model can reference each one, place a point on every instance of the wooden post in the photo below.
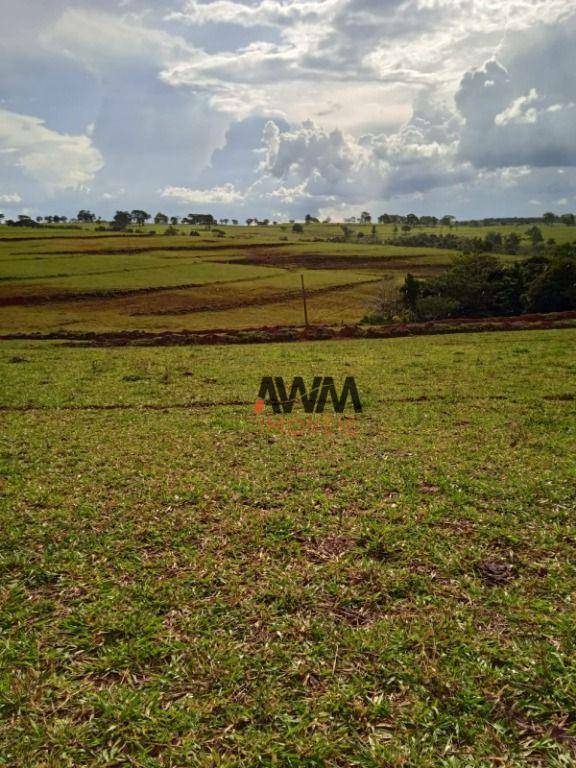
(304, 301)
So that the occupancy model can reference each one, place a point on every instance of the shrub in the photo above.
(554, 290)
(436, 308)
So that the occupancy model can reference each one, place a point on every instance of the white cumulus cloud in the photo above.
(55, 160)
(11, 198)
(224, 194)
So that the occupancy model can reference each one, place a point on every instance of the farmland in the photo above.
(183, 583)
(56, 278)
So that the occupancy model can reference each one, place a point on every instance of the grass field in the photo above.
(180, 588)
(55, 279)
(183, 587)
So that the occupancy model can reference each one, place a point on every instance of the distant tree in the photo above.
(249, 222)
(311, 219)
(549, 218)
(535, 235)
(412, 220)
(201, 219)
(365, 218)
(22, 221)
(235, 222)
(174, 220)
(140, 217)
(447, 221)
(87, 217)
(1, 217)
(568, 218)
(512, 242)
(161, 218)
(297, 229)
(494, 239)
(121, 219)
(39, 219)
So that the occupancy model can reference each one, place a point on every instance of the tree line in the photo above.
(478, 285)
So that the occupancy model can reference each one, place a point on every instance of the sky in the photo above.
(279, 108)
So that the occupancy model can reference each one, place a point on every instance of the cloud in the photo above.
(102, 40)
(226, 194)
(330, 166)
(521, 110)
(10, 198)
(310, 149)
(265, 13)
(55, 160)
(292, 105)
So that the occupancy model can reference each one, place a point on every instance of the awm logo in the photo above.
(273, 392)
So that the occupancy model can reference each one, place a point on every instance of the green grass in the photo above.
(249, 277)
(181, 589)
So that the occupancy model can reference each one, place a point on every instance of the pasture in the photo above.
(184, 584)
(182, 588)
(81, 279)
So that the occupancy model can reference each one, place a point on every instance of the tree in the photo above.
(1, 217)
(365, 218)
(174, 220)
(494, 239)
(447, 221)
(568, 218)
(121, 219)
(297, 229)
(412, 220)
(554, 290)
(87, 217)
(512, 243)
(471, 282)
(201, 219)
(140, 217)
(347, 231)
(160, 218)
(410, 291)
(535, 235)
(549, 218)
(311, 219)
